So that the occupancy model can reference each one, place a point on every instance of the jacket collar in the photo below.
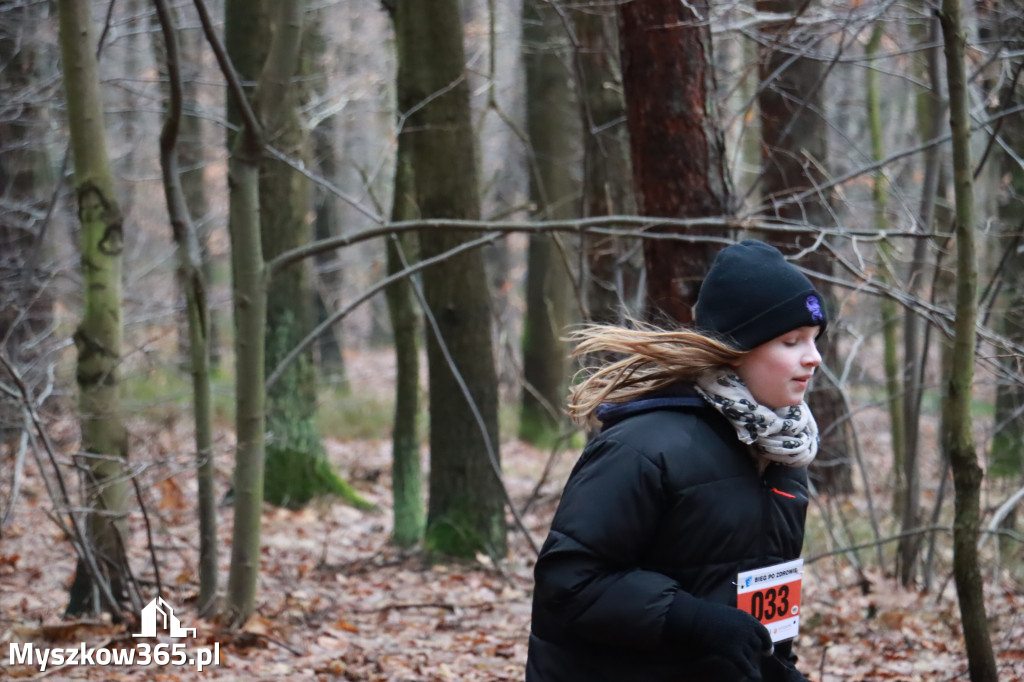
(675, 396)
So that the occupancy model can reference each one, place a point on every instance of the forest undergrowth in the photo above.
(337, 601)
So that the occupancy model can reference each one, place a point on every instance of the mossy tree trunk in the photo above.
(967, 474)
(297, 468)
(794, 159)
(676, 141)
(402, 250)
(553, 130)
(98, 337)
(407, 480)
(466, 510)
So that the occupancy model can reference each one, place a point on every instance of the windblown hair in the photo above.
(654, 358)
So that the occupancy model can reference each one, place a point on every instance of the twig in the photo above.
(149, 537)
(227, 68)
(411, 605)
(891, 538)
(383, 284)
(278, 642)
(1001, 513)
(553, 457)
(19, 467)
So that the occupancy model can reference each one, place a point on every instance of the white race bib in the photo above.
(772, 595)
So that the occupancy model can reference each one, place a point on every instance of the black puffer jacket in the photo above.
(665, 500)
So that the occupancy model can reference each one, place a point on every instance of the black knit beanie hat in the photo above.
(752, 294)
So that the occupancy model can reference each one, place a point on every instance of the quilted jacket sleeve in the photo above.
(588, 584)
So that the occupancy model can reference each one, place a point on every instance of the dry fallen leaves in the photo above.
(338, 602)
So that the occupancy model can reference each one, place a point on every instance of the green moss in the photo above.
(455, 534)
(293, 478)
(1006, 456)
(539, 430)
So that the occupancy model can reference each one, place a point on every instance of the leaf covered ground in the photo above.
(337, 601)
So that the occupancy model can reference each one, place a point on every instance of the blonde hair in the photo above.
(654, 358)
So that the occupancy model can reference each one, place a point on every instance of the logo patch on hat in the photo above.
(814, 307)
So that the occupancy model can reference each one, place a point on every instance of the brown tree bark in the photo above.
(676, 142)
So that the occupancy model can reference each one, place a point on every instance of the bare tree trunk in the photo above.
(193, 161)
(250, 320)
(677, 145)
(930, 110)
(328, 223)
(26, 313)
(249, 272)
(466, 509)
(967, 474)
(889, 309)
(610, 278)
(98, 337)
(552, 125)
(190, 269)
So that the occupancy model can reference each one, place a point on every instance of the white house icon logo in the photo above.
(159, 609)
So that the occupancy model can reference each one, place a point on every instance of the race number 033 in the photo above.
(765, 605)
(772, 595)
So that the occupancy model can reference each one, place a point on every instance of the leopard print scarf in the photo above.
(787, 436)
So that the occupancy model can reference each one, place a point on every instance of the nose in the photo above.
(812, 358)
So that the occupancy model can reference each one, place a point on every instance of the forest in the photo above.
(286, 293)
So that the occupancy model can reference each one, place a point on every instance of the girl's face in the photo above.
(777, 372)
